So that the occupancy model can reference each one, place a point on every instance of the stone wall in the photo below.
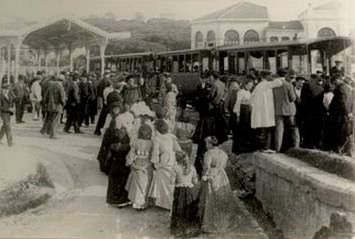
(299, 197)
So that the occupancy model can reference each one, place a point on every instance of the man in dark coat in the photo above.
(84, 89)
(103, 89)
(92, 102)
(337, 70)
(19, 93)
(285, 111)
(341, 118)
(44, 82)
(54, 100)
(6, 103)
(72, 105)
(313, 112)
(216, 98)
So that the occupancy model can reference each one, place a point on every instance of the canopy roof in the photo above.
(62, 31)
(241, 10)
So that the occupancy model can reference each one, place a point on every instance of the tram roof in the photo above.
(185, 51)
(346, 42)
(132, 55)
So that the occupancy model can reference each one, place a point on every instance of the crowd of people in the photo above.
(141, 154)
(147, 166)
(269, 113)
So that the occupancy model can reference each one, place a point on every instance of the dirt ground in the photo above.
(78, 209)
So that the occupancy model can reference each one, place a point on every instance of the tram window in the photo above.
(188, 66)
(255, 60)
(205, 61)
(169, 64)
(175, 64)
(241, 63)
(226, 63)
(195, 63)
(316, 61)
(215, 65)
(181, 64)
(299, 63)
(282, 59)
(271, 61)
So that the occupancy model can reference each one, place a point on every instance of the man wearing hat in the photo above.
(216, 99)
(341, 118)
(72, 105)
(263, 110)
(285, 111)
(84, 87)
(19, 93)
(6, 103)
(54, 100)
(313, 112)
(36, 97)
(338, 69)
(104, 89)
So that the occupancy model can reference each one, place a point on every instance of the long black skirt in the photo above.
(118, 175)
(184, 211)
(243, 142)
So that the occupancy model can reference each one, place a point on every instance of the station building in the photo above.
(245, 23)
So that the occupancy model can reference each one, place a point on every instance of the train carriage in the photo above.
(304, 57)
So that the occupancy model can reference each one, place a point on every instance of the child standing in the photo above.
(163, 158)
(141, 168)
(6, 103)
(183, 215)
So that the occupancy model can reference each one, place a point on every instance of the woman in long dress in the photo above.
(163, 158)
(216, 208)
(118, 174)
(170, 105)
(141, 168)
(242, 108)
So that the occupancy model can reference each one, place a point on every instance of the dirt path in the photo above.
(79, 209)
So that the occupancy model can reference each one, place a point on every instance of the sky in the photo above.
(39, 10)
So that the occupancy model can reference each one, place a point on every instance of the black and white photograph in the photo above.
(167, 119)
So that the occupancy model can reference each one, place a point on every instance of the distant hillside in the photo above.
(152, 35)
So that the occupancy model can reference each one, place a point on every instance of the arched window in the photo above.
(285, 38)
(211, 39)
(198, 40)
(326, 32)
(231, 37)
(251, 36)
(273, 39)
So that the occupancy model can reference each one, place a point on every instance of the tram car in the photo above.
(304, 57)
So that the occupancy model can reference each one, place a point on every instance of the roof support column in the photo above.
(8, 62)
(2, 62)
(71, 67)
(46, 61)
(38, 59)
(87, 48)
(102, 56)
(17, 58)
(58, 60)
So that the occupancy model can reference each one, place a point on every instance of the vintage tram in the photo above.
(304, 57)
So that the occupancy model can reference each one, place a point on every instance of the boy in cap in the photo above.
(6, 103)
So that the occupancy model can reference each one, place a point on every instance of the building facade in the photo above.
(245, 23)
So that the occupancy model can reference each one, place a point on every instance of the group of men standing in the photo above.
(291, 111)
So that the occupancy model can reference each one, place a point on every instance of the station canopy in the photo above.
(57, 35)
